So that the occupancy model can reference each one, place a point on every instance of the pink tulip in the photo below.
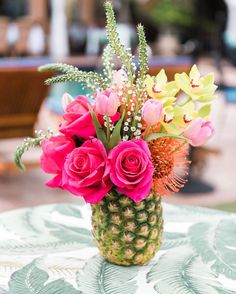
(152, 111)
(199, 131)
(107, 103)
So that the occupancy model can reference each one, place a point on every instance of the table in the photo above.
(49, 250)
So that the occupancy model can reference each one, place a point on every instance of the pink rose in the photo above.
(132, 169)
(77, 119)
(107, 102)
(86, 171)
(55, 150)
(199, 131)
(152, 111)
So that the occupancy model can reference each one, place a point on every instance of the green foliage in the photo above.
(99, 130)
(28, 144)
(204, 111)
(143, 56)
(33, 279)
(115, 42)
(108, 65)
(172, 12)
(116, 136)
(205, 98)
(91, 79)
(163, 135)
(143, 61)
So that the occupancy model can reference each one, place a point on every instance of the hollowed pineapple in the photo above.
(127, 233)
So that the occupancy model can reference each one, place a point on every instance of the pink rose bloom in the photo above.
(152, 111)
(199, 131)
(55, 150)
(77, 119)
(107, 102)
(132, 169)
(86, 171)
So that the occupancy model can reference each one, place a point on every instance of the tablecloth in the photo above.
(50, 250)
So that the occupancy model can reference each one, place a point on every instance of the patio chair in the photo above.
(22, 92)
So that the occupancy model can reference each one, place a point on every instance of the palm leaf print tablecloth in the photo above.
(50, 250)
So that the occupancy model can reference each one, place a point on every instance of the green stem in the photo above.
(147, 131)
(108, 128)
(162, 129)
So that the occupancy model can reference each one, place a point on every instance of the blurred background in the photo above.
(179, 33)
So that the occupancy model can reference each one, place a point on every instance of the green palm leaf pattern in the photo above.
(45, 235)
(71, 234)
(182, 272)
(101, 277)
(69, 209)
(172, 240)
(216, 244)
(196, 257)
(181, 213)
(31, 279)
(3, 290)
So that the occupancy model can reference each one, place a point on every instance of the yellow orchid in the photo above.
(199, 88)
(176, 116)
(158, 87)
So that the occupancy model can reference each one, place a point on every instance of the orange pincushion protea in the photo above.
(170, 161)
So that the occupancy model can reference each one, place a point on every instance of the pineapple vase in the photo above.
(127, 233)
(134, 135)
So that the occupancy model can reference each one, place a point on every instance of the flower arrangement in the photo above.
(130, 146)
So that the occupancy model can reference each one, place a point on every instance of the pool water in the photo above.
(57, 90)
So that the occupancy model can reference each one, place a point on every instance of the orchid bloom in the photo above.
(159, 88)
(199, 88)
(175, 116)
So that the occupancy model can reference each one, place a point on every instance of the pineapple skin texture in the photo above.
(127, 233)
